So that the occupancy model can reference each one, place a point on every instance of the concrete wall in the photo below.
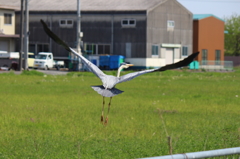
(148, 62)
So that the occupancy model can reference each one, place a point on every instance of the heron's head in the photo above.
(125, 65)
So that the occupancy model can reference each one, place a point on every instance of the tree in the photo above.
(232, 38)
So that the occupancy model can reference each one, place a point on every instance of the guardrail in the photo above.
(202, 154)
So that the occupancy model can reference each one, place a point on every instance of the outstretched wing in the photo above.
(93, 68)
(182, 63)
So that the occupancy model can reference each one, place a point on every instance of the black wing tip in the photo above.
(195, 54)
(190, 58)
(184, 62)
(54, 36)
(44, 24)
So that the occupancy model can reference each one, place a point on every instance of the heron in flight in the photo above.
(107, 89)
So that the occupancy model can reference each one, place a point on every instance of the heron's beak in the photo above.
(130, 64)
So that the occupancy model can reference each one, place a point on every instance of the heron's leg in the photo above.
(109, 105)
(102, 110)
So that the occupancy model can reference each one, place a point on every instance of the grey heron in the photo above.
(107, 89)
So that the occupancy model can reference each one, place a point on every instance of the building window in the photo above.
(170, 24)
(90, 48)
(154, 50)
(204, 56)
(184, 51)
(7, 18)
(103, 49)
(218, 57)
(95, 49)
(128, 22)
(66, 23)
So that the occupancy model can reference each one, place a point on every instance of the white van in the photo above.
(44, 60)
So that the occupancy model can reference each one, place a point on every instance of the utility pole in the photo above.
(79, 33)
(26, 26)
(21, 37)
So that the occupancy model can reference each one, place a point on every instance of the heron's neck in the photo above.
(119, 70)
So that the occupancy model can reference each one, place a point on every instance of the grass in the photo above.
(44, 116)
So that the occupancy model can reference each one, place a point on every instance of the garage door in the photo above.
(4, 45)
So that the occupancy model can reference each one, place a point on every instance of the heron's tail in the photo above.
(106, 92)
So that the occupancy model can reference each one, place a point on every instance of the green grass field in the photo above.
(53, 117)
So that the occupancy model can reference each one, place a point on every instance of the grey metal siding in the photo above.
(96, 28)
(136, 36)
(38, 36)
(157, 32)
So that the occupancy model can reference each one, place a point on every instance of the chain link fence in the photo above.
(216, 65)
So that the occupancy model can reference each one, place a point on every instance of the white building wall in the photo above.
(148, 62)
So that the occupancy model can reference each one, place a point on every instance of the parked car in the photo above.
(44, 60)
(31, 58)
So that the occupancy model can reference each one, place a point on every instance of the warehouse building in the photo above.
(208, 38)
(149, 33)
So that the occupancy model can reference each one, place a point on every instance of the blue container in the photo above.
(104, 62)
(115, 61)
(94, 61)
(194, 65)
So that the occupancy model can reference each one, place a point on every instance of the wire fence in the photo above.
(216, 65)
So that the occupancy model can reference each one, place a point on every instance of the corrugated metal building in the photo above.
(149, 33)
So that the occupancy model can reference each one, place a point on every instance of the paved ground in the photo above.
(50, 72)
(53, 72)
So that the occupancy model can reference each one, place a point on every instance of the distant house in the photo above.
(149, 33)
(208, 38)
(7, 28)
